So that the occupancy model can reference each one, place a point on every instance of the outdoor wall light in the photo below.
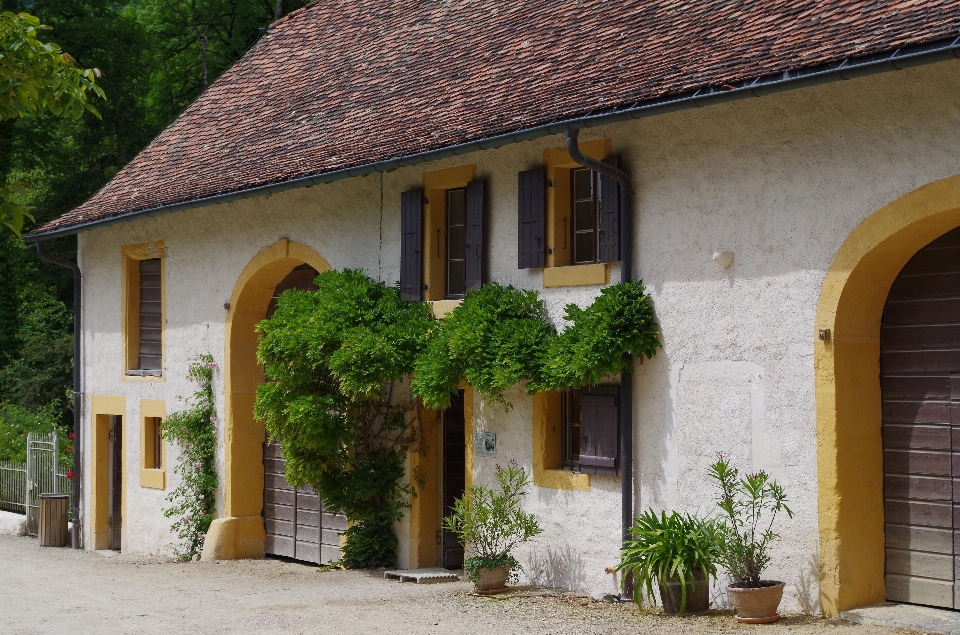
(723, 258)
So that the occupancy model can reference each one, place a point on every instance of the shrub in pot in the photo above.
(750, 504)
(490, 522)
(676, 552)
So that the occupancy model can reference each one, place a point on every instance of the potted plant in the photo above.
(490, 522)
(677, 552)
(750, 504)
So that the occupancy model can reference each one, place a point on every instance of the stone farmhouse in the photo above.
(794, 205)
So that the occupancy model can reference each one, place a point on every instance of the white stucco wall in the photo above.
(780, 181)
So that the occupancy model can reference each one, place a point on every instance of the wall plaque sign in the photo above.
(485, 444)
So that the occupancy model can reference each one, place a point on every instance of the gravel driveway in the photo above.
(64, 591)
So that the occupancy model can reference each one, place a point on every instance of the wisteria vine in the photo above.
(194, 429)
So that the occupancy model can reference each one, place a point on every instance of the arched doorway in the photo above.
(239, 532)
(846, 345)
(920, 387)
(295, 521)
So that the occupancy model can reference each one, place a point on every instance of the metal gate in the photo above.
(297, 524)
(43, 476)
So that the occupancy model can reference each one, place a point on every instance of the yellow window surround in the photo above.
(435, 184)
(558, 166)
(130, 306)
(547, 461)
(150, 475)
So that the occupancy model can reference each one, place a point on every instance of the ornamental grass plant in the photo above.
(669, 547)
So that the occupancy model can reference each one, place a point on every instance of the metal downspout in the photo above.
(75, 536)
(626, 275)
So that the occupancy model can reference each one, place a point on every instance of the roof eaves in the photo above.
(850, 68)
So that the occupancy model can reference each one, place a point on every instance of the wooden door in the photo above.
(454, 480)
(296, 523)
(116, 482)
(920, 383)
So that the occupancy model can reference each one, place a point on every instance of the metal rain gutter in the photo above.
(850, 68)
(76, 534)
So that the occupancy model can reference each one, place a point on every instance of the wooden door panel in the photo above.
(916, 590)
(916, 411)
(917, 462)
(918, 487)
(919, 513)
(928, 539)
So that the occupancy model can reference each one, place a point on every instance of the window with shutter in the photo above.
(411, 245)
(475, 255)
(143, 309)
(609, 215)
(599, 427)
(531, 218)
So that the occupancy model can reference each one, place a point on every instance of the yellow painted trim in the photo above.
(435, 184)
(468, 437)
(153, 479)
(424, 467)
(847, 376)
(235, 538)
(149, 476)
(576, 275)
(243, 435)
(558, 164)
(441, 308)
(546, 447)
(131, 255)
(101, 407)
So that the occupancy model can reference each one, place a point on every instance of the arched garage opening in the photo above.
(848, 392)
(239, 533)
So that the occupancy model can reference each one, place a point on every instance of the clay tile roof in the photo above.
(344, 83)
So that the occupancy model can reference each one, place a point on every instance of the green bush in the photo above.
(491, 522)
(493, 340)
(337, 360)
(668, 547)
(16, 423)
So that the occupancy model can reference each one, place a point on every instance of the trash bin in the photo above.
(54, 509)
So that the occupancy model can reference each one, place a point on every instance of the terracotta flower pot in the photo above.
(492, 580)
(698, 595)
(757, 606)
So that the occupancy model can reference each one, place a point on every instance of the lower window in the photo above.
(590, 426)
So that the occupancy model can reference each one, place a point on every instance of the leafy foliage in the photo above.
(500, 336)
(36, 77)
(602, 337)
(668, 547)
(16, 423)
(194, 429)
(750, 504)
(491, 522)
(492, 340)
(337, 360)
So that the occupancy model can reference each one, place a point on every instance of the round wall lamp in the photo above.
(723, 258)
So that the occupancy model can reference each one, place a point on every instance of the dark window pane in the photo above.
(456, 280)
(570, 423)
(584, 247)
(456, 245)
(582, 184)
(584, 216)
(456, 207)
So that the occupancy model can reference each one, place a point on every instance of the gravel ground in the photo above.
(64, 591)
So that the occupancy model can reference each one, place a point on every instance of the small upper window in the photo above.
(586, 216)
(456, 255)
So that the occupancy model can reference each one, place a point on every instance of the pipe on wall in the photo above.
(626, 275)
(75, 535)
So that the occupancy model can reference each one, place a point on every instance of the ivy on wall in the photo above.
(194, 430)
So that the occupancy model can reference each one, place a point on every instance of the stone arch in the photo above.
(847, 378)
(239, 533)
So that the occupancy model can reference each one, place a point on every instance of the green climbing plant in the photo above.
(194, 430)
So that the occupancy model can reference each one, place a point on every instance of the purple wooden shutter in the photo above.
(599, 442)
(476, 198)
(532, 218)
(151, 316)
(411, 245)
(609, 215)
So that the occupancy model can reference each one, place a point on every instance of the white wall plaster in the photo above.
(780, 181)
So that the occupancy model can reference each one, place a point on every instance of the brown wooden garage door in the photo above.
(920, 381)
(297, 524)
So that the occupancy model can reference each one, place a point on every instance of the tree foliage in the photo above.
(337, 361)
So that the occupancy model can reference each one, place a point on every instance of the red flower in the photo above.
(69, 448)
(70, 436)
(69, 474)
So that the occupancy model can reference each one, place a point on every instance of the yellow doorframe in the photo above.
(101, 409)
(239, 532)
(847, 378)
